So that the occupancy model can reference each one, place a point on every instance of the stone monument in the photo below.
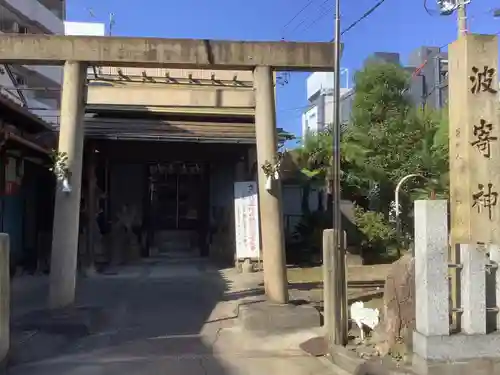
(474, 343)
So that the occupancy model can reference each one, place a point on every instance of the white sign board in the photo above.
(246, 220)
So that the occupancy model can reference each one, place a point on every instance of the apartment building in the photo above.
(34, 87)
(429, 85)
(319, 113)
(428, 67)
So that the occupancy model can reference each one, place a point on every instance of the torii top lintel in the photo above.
(165, 53)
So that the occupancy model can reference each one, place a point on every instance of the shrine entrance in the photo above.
(177, 197)
(177, 212)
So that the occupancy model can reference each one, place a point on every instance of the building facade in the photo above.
(26, 185)
(346, 104)
(29, 109)
(428, 67)
(34, 87)
(429, 85)
(319, 113)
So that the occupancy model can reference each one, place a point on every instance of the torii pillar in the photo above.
(63, 266)
(270, 202)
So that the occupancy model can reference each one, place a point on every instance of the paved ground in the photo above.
(162, 317)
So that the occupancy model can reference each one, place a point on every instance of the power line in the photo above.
(351, 26)
(298, 14)
(285, 77)
(365, 15)
(324, 13)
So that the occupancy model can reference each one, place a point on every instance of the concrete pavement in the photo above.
(170, 317)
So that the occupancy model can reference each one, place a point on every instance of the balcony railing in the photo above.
(36, 12)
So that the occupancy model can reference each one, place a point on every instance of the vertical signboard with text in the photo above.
(474, 140)
(246, 219)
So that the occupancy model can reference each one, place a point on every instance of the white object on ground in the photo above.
(364, 316)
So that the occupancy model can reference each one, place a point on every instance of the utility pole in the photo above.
(462, 18)
(338, 276)
(454, 248)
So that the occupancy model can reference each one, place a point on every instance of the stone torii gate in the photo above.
(77, 53)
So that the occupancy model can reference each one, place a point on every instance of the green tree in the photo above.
(431, 159)
(382, 132)
(313, 160)
(389, 138)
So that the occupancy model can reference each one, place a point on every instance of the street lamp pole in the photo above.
(339, 267)
(396, 204)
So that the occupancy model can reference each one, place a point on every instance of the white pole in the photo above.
(398, 186)
(396, 203)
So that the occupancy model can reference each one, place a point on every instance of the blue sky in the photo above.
(396, 26)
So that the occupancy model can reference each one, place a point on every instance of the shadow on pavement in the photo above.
(249, 293)
(153, 321)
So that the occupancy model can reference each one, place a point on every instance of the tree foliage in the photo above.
(378, 233)
(396, 138)
(314, 154)
(387, 139)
